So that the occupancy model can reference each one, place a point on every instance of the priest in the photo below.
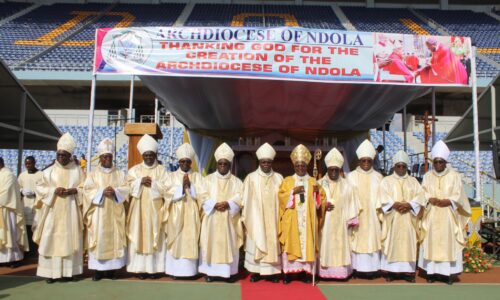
(105, 191)
(58, 226)
(221, 229)
(302, 206)
(144, 228)
(342, 210)
(13, 237)
(366, 243)
(401, 198)
(260, 218)
(447, 212)
(186, 190)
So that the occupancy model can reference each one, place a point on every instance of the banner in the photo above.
(285, 53)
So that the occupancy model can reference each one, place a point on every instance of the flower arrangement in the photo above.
(475, 260)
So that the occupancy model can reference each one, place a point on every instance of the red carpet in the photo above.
(264, 290)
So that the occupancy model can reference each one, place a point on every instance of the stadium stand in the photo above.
(11, 8)
(45, 158)
(76, 54)
(274, 15)
(30, 34)
(393, 20)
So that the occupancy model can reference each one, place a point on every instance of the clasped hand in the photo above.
(221, 206)
(63, 192)
(440, 202)
(402, 207)
(146, 181)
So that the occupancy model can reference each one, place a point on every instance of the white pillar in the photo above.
(475, 123)
(91, 123)
(130, 116)
(433, 117)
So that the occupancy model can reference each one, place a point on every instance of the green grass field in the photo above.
(31, 288)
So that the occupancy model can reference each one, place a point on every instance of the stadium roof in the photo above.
(461, 136)
(40, 133)
(229, 107)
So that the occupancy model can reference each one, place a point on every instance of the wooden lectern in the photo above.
(135, 131)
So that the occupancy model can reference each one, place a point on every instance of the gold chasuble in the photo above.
(104, 216)
(222, 232)
(13, 236)
(145, 214)
(367, 236)
(260, 217)
(443, 228)
(296, 225)
(182, 208)
(335, 233)
(400, 231)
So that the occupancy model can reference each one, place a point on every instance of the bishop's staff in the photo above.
(317, 199)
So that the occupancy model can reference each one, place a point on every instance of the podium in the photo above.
(135, 131)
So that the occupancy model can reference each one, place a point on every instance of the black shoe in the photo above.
(354, 274)
(410, 278)
(68, 279)
(286, 279)
(209, 279)
(97, 276)
(450, 280)
(50, 280)
(254, 277)
(142, 276)
(275, 279)
(14, 264)
(111, 275)
(155, 276)
(388, 278)
(430, 279)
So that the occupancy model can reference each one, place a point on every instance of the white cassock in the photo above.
(260, 216)
(400, 231)
(146, 237)
(221, 232)
(58, 226)
(183, 223)
(27, 184)
(13, 236)
(105, 219)
(366, 242)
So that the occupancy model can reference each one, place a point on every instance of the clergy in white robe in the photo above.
(186, 190)
(145, 216)
(221, 230)
(105, 191)
(342, 210)
(260, 217)
(302, 207)
(27, 183)
(13, 237)
(446, 214)
(401, 198)
(58, 226)
(366, 243)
